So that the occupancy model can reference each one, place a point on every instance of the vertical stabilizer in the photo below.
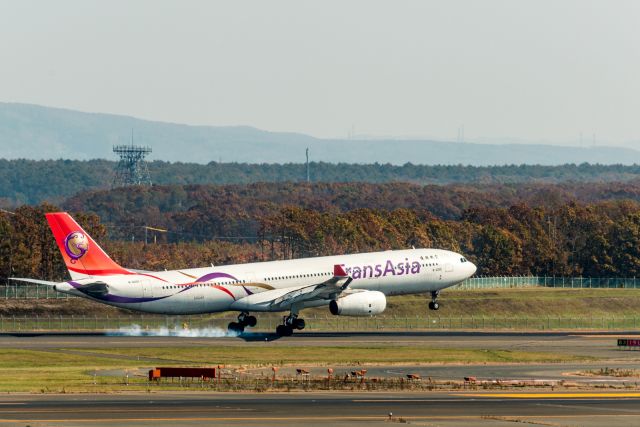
(82, 255)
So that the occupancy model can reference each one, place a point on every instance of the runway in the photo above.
(434, 408)
(353, 409)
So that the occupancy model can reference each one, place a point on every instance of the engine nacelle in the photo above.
(365, 303)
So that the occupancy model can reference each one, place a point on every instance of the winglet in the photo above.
(338, 271)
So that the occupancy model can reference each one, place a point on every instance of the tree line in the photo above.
(33, 182)
(202, 212)
(570, 239)
(597, 240)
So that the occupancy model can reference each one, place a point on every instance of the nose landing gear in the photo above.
(433, 304)
(244, 320)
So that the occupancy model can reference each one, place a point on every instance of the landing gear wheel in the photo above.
(289, 323)
(244, 320)
(251, 321)
(433, 305)
(284, 330)
(299, 324)
(235, 327)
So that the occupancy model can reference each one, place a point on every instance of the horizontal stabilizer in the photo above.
(36, 281)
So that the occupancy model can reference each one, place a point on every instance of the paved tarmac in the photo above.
(315, 409)
(351, 409)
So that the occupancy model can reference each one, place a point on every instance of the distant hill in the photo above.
(36, 132)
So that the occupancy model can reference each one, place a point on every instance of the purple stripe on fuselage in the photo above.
(131, 300)
(212, 276)
(117, 298)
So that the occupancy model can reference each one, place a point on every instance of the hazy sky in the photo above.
(535, 70)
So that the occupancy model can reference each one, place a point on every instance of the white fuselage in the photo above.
(215, 289)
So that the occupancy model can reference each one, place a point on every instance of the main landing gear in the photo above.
(433, 304)
(244, 320)
(289, 323)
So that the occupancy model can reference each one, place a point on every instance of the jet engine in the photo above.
(366, 303)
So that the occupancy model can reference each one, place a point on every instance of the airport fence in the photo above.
(30, 291)
(13, 290)
(204, 326)
(549, 282)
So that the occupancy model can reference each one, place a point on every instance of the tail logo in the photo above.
(76, 245)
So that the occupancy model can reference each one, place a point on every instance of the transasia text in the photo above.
(380, 270)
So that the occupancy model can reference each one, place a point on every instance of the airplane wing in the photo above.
(283, 299)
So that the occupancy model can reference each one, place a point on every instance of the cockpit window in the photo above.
(463, 260)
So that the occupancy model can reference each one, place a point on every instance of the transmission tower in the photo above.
(132, 168)
(308, 176)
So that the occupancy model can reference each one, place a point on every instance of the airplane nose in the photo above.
(472, 269)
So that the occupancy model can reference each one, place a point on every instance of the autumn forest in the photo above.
(565, 229)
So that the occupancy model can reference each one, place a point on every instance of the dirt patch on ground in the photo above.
(609, 372)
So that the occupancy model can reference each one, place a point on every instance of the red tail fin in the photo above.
(81, 253)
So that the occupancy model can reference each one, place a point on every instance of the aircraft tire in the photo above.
(235, 327)
(299, 324)
(251, 321)
(435, 305)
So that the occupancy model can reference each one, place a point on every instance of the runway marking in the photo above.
(409, 400)
(551, 395)
(598, 408)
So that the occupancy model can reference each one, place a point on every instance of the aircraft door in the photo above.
(443, 272)
(147, 292)
(147, 289)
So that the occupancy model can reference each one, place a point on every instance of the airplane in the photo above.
(351, 285)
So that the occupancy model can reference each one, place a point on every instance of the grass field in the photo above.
(64, 370)
(525, 302)
(61, 370)
(518, 308)
(514, 309)
(338, 355)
